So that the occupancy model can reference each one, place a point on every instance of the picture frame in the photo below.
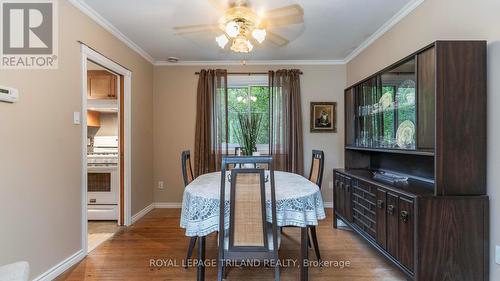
(323, 117)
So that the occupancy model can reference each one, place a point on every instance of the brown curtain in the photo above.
(285, 142)
(211, 119)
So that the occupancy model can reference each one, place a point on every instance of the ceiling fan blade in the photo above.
(276, 39)
(284, 20)
(196, 28)
(293, 14)
(220, 5)
(291, 10)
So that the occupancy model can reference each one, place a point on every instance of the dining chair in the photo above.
(238, 151)
(187, 174)
(249, 236)
(316, 176)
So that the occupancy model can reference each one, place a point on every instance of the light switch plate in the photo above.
(497, 254)
(76, 118)
(161, 185)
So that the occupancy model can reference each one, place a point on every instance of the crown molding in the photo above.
(408, 8)
(252, 62)
(86, 9)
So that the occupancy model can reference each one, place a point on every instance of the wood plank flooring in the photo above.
(127, 255)
(100, 231)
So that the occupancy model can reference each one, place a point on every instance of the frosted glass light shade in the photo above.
(232, 29)
(222, 40)
(259, 35)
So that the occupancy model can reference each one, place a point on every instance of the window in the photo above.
(248, 95)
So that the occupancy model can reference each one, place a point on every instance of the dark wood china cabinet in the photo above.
(414, 182)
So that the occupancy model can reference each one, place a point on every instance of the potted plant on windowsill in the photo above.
(247, 131)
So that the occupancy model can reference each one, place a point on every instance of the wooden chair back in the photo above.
(187, 171)
(249, 231)
(317, 167)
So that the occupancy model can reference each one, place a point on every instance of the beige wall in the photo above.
(40, 149)
(175, 113)
(449, 19)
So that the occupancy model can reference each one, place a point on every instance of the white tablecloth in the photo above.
(298, 203)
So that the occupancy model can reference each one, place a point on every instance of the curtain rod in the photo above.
(244, 73)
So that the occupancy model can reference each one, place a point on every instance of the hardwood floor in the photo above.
(127, 255)
(100, 231)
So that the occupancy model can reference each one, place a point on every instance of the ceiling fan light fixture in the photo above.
(249, 46)
(241, 45)
(259, 34)
(232, 29)
(222, 40)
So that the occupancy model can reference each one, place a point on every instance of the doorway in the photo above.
(105, 148)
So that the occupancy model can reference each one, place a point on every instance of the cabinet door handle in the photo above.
(390, 209)
(380, 204)
(404, 216)
(341, 185)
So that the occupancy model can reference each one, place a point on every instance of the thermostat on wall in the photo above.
(9, 94)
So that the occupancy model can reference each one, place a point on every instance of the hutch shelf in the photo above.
(414, 182)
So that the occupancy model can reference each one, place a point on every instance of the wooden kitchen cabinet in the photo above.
(93, 118)
(101, 84)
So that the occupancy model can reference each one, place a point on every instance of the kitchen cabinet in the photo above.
(101, 84)
(93, 118)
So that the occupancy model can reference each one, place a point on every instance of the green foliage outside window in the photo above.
(406, 110)
(252, 99)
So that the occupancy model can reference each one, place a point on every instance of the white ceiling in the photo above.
(332, 29)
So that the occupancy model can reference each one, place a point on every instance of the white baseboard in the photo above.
(142, 212)
(328, 205)
(61, 267)
(168, 205)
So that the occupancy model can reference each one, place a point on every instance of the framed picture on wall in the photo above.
(323, 117)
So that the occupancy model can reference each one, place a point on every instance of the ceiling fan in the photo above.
(240, 25)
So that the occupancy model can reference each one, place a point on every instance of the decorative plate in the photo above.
(406, 92)
(405, 134)
(385, 101)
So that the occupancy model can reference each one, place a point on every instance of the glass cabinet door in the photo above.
(385, 109)
(367, 95)
(398, 87)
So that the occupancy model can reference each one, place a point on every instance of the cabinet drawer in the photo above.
(364, 207)
(381, 218)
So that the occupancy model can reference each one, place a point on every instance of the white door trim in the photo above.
(89, 54)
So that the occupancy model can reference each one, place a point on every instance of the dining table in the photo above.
(298, 203)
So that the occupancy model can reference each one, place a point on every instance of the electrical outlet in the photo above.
(497, 254)
(330, 184)
(161, 185)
